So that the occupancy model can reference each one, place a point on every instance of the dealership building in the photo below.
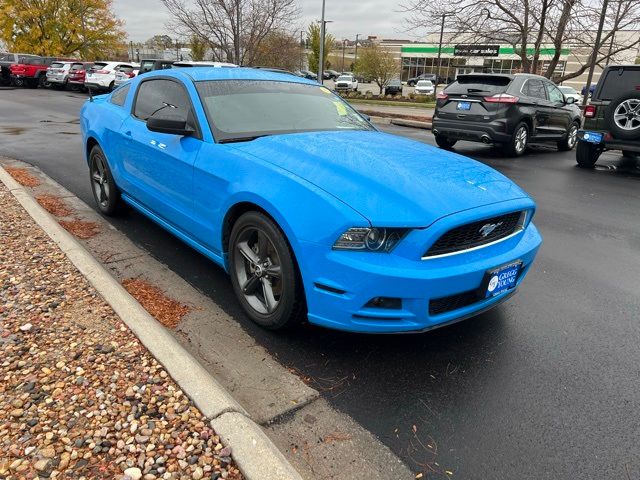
(457, 58)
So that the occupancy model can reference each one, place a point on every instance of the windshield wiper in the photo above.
(241, 139)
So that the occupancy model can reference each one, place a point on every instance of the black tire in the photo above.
(18, 82)
(587, 154)
(571, 139)
(519, 141)
(254, 269)
(622, 117)
(112, 86)
(444, 142)
(105, 191)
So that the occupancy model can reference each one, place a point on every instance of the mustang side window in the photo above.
(163, 95)
(120, 96)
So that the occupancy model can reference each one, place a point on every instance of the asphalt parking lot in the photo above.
(543, 387)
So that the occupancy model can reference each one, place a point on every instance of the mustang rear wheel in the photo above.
(104, 189)
(263, 272)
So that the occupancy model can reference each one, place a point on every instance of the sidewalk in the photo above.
(417, 113)
(80, 396)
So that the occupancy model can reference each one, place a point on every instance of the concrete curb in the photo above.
(256, 456)
(250, 443)
(411, 123)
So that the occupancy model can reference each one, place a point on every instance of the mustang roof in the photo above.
(198, 74)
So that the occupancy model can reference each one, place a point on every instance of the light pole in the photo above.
(323, 25)
(344, 42)
(356, 54)
(302, 47)
(323, 30)
(444, 15)
(594, 55)
(238, 48)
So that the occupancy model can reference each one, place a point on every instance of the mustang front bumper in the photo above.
(339, 284)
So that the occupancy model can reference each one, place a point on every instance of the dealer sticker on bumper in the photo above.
(592, 137)
(502, 279)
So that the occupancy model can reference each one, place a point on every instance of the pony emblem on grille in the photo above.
(486, 230)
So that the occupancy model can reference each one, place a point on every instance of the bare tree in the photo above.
(281, 50)
(378, 64)
(530, 25)
(234, 29)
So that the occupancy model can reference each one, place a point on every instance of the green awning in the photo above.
(448, 49)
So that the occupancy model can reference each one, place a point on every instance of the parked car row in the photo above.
(32, 71)
(511, 111)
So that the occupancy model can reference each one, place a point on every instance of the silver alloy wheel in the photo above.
(627, 115)
(521, 139)
(258, 270)
(100, 182)
(572, 136)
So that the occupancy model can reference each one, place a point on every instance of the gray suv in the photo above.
(505, 110)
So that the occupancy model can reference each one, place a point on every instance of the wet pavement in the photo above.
(544, 387)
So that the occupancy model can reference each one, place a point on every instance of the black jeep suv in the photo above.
(612, 119)
(505, 110)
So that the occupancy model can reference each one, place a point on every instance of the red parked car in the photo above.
(32, 72)
(78, 73)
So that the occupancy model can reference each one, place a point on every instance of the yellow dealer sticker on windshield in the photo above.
(342, 110)
(325, 90)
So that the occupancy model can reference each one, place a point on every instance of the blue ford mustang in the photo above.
(310, 209)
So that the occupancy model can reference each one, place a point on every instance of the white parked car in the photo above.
(346, 83)
(570, 92)
(124, 76)
(102, 76)
(187, 64)
(58, 74)
(425, 87)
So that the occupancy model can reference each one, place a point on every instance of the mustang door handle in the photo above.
(128, 133)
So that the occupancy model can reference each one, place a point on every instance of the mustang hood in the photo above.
(390, 180)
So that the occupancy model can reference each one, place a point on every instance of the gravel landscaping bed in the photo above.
(80, 397)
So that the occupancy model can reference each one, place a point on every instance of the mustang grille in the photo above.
(477, 234)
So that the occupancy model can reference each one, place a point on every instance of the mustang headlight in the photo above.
(370, 239)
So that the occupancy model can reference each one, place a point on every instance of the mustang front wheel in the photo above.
(263, 272)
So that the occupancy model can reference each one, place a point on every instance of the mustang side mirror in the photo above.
(171, 124)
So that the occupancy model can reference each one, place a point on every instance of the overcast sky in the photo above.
(145, 18)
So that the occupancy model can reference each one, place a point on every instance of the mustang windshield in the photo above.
(240, 110)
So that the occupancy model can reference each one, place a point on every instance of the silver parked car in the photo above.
(58, 74)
